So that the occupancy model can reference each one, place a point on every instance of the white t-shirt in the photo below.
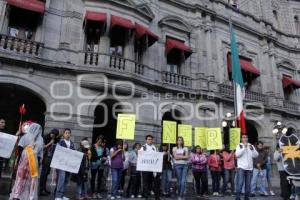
(180, 152)
(68, 143)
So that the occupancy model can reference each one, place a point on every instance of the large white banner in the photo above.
(66, 159)
(149, 161)
(7, 144)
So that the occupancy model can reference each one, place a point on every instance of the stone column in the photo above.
(3, 18)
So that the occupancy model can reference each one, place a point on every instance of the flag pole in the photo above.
(233, 83)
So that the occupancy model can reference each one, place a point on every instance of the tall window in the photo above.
(93, 33)
(174, 62)
(297, 27)
(23, 23)
(118, 37)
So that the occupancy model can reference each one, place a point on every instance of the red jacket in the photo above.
(214, 162)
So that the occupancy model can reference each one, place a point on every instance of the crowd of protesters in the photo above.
(243, 171)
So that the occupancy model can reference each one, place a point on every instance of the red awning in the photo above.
(246, 65)
(121, 22)
(95, 16)
(288, 81)
(33, 5)
(141, 31)
(173, 44)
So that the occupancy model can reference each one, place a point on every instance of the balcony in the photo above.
(118, 64)
(291, 106)
(20, 46)
(176, 79)
(227, 91)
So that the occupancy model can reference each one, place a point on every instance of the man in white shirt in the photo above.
(245, 152)
(150, 178)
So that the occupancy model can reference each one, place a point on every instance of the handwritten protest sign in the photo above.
(290, 146)
(7, 144)
(126, 126)
(149, 161)
(169, 132)
(234, 137)
(185, 131)
(214, 138)
(66, 159)
(200, 137)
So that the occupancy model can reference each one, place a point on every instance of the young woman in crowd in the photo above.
(199, 162)
(180, 159)
(98, 158)
(81, 177)
(167, 170)
(269, 170)
(117, 158)
(125, 165)
(134, 184)
(214, 163)
(229, 169)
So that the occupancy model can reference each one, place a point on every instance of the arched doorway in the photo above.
(108, 129)
(290, 131)
(172, 115)
(12, 97)
(251, 132)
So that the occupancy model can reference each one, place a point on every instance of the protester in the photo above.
(229, 169)
(125, 166)
(81, 177)
(284, 183)
(63, 176)
(2, 127)
(134, 183)
(180, 159)
(199, 162)
(26, 184)
(117, 158)
(149, 178)
(214, 163)
(167, 170)
(245, 152)
(50, 141)
(99, 156)
(259, 170)
(269, 170)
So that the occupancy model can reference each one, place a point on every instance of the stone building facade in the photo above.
(75, 63)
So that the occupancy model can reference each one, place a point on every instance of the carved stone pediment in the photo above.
(144, 8)
(176, 23)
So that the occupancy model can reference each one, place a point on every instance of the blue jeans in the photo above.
(115, 179)
(215, 175)
(243, 176)
(61, 183)
(262, 185)
(181, 173)
(81, 189)
(165, 180)
(229, 178)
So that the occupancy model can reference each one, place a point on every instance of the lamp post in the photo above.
(227, 123)
(279, 129)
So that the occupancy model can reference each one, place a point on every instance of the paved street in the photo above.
(71, 193)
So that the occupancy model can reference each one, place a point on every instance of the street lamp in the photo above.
(227, 123)
(279, 129)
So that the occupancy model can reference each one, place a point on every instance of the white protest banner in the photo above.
(66, 159)
(149, 161)
(7, 144)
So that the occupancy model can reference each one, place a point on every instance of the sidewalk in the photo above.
(71, 192)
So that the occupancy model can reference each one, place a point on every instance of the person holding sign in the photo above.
(199, 162)
(214, 163)
(117, 158)
(229, 169)
(180, 159)
(150, 178)
(26, 184)
(245, 153)
(63, 176)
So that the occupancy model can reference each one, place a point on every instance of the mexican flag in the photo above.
(238, 81)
